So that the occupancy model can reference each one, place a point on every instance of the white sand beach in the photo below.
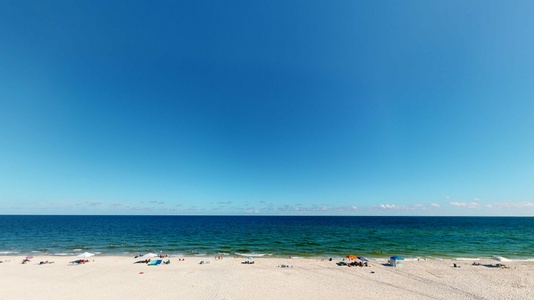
(118, 277)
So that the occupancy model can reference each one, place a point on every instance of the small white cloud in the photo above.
(523, 204)
(402, 207)
(141, 209)
(465, 204)
(435, 205)
(447, 197)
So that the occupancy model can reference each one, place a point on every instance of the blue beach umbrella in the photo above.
(397, 258)
(362, 258)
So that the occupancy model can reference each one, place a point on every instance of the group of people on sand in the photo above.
(80, 261)
(502, 266)
(358, 264)
(27, 260)
(354, 264)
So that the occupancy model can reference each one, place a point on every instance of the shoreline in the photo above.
(261, 255)
(117, 277)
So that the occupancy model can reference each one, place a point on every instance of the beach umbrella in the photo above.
(29, 257)
(351, 256)
(85, 255)
(397, 258)
(500, 258)
(362, 258)
(150, 255)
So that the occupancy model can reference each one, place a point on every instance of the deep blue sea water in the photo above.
(432, 237)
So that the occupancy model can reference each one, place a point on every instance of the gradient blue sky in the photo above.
(267, 107)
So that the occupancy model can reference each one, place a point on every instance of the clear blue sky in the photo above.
(267, 107)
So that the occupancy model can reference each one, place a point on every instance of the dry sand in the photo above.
(119, 278)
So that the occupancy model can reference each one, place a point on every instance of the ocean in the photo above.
(297, 236)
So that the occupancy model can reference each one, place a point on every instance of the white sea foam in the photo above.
(523, 259)
(251, 254)
(8, 252)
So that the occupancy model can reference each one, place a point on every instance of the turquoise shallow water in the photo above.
(445, 237)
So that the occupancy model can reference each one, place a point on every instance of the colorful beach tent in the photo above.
(396, 258)
(351, 256)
